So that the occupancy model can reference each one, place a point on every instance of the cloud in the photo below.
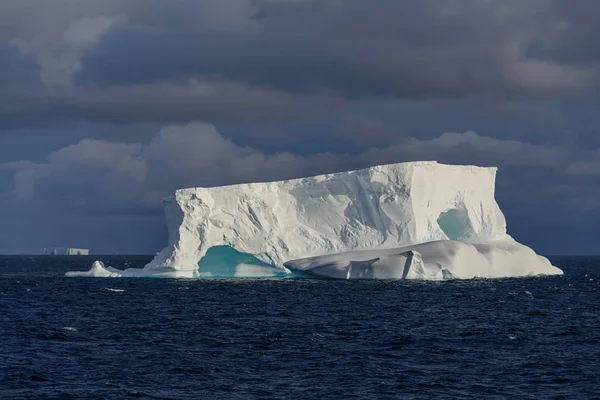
(285, 54)
(57, 34)
(163, 103)
(409, 49)
(369, 130)
(470, 147)
(56, 45)
(108, 174)
(586, 168)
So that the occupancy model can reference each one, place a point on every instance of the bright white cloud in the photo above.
(102, 173)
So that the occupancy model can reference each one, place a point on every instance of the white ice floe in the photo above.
(417, 220)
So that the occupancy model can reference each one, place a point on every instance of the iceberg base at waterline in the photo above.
(438, 260)
(415, 220)
(219, 262)
(98, 270)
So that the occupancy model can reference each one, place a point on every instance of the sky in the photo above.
(106, 107)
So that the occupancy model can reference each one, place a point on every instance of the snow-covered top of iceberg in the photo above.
(384, 206)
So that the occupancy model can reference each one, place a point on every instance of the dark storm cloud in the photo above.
(573, 41)
(414, 49)
(16, 70)
(214, 100)
(278, 55)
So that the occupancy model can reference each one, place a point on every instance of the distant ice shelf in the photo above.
(417, 220)
(66, 251)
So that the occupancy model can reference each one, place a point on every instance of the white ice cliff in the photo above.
(420, 220)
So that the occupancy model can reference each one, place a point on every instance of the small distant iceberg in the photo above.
(98, 270)
(416, 220)
(66, 251)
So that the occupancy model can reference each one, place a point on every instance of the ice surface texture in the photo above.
(444, 259)
(382, 207)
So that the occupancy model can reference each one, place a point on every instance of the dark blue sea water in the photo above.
(94, 338)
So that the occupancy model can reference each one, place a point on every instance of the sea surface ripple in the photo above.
(86, 338)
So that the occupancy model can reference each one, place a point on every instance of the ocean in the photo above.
(103, 338)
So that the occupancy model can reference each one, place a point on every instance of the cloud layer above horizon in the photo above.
(106, 107)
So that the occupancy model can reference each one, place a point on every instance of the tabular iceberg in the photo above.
(416, 220)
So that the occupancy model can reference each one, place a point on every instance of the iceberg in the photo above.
(415, 220)
(98, 270)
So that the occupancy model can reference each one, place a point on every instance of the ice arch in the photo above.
(225, 261)
(455, 224)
